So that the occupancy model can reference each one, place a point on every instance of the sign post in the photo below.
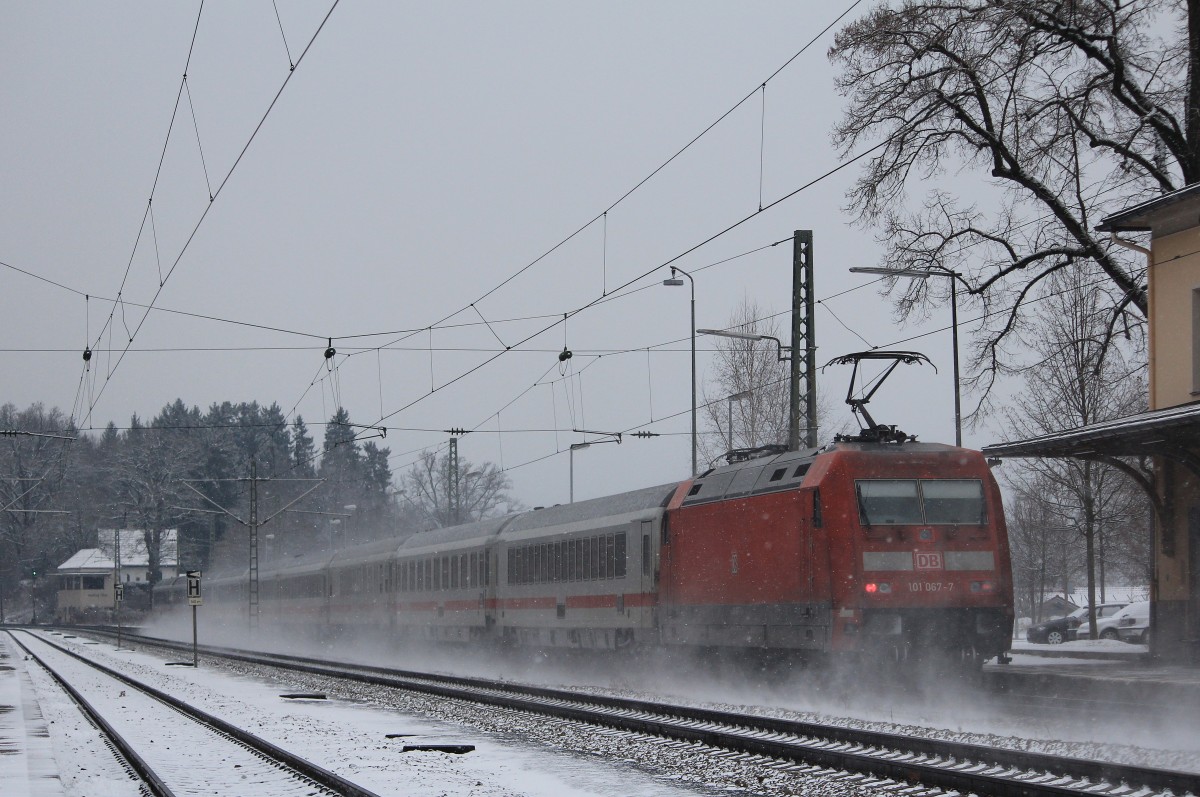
(119, 592)
(195, 599)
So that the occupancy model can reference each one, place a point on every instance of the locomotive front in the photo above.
(917, 534)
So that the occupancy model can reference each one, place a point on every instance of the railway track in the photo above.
(900, 760)
(172, 745)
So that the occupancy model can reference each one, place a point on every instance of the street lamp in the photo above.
(724, 333)
(920, 274)
(793, 396)
(579, 447)
(745, 394)
(675, 281)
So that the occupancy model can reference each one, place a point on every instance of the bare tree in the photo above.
(1045, 554)
(1049, 114)
(483, 490)
(1079, 380)
(33, 470)
(745, 397)
(151, 467)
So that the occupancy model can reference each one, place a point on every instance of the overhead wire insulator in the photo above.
(646, 434)
(330, 352)
(87, 355)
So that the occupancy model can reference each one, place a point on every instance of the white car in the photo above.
(1108, 627)
(1104, 618)
(1133, 623)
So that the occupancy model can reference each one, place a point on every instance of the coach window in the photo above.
(619, 553)
(605, 556)
(454, 583)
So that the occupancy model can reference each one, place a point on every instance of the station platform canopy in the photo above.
(1170, 432)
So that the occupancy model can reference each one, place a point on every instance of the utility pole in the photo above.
(253, 592)
(804, 344)
(453, 499)
(252, 524)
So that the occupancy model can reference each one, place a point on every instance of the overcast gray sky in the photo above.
(420, 155)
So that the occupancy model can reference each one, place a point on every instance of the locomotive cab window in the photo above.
(894, 502)
(957, 501)
(888, 502)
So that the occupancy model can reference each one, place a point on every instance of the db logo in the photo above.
(927, 560)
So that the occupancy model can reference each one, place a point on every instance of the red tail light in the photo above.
(872, 588)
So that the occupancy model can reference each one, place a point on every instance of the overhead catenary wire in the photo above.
(431, 348)
(213, 194)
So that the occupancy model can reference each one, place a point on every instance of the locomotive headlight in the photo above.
(983, 586)
(885, 588)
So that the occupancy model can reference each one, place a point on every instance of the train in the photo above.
(877, 546)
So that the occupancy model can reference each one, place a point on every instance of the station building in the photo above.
(86, 581)
(1167, 437)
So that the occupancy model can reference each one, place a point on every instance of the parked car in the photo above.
(1105, 622)
(1062, 629)
(1133, 623)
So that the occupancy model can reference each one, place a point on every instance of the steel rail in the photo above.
(302, 766)
(138, 764)
(945, 764)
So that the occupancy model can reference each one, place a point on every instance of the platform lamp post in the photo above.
(579, 447)
(745, 394)
(926, 273)
(675, 281)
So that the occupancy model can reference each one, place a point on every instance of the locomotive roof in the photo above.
(645, 499)
(894, 448)
(761, 475)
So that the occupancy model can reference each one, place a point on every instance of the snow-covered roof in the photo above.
(88, 559)
(132, 550)
(1164, 215)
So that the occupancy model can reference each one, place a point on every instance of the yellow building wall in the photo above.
(1175, 275)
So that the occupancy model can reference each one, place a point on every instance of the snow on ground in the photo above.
(520, 754)
(1108, 647)
(515, 754)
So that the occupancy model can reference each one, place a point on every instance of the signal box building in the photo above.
(86, 581)
(1168, 435)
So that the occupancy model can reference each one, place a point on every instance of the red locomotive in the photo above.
(874, 543)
